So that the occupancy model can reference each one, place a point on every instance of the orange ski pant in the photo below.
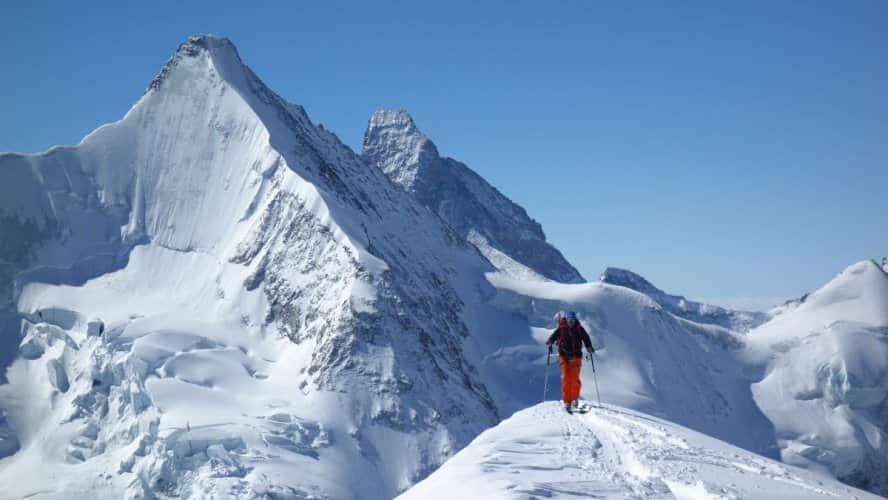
(570, 378)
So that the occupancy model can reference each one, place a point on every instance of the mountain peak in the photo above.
(208, 41)
(393, 118)
(865, 281)
(501, 230)
(219, 48)
(390, 131)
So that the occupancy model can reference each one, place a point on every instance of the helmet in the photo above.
(571, 316)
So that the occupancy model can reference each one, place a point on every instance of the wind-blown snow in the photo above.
(611, 452)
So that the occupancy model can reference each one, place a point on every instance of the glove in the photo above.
(550, 348)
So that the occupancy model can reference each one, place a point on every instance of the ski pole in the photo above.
(546, 379)
(595, 379)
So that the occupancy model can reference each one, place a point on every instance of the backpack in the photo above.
(564, 331)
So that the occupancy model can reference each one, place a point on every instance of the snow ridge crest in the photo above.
(680, 306)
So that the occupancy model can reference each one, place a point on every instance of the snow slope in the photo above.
(501, 230)
(612, 452)
(741, 321)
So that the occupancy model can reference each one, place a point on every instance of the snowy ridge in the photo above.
(501, 230)
(741, 321)
(612, 452)
(809, 387)
(647, 359)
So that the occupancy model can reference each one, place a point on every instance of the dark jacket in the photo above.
(571, 340)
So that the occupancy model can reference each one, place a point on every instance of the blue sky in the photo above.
(720, 149)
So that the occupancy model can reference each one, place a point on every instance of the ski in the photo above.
(579, 409)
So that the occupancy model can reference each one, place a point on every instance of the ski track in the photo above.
(610, 452)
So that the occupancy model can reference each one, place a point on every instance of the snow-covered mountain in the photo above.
(214, 297)
(611, 452)
(269, 303)
(825, 384)
(741, 321)
(501, 230)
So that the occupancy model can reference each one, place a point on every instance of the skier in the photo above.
(570, 336)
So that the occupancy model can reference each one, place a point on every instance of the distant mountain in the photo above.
(501, 230)
(741, 321)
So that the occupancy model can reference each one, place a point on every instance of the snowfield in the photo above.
(216, 298)
(612, 452)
